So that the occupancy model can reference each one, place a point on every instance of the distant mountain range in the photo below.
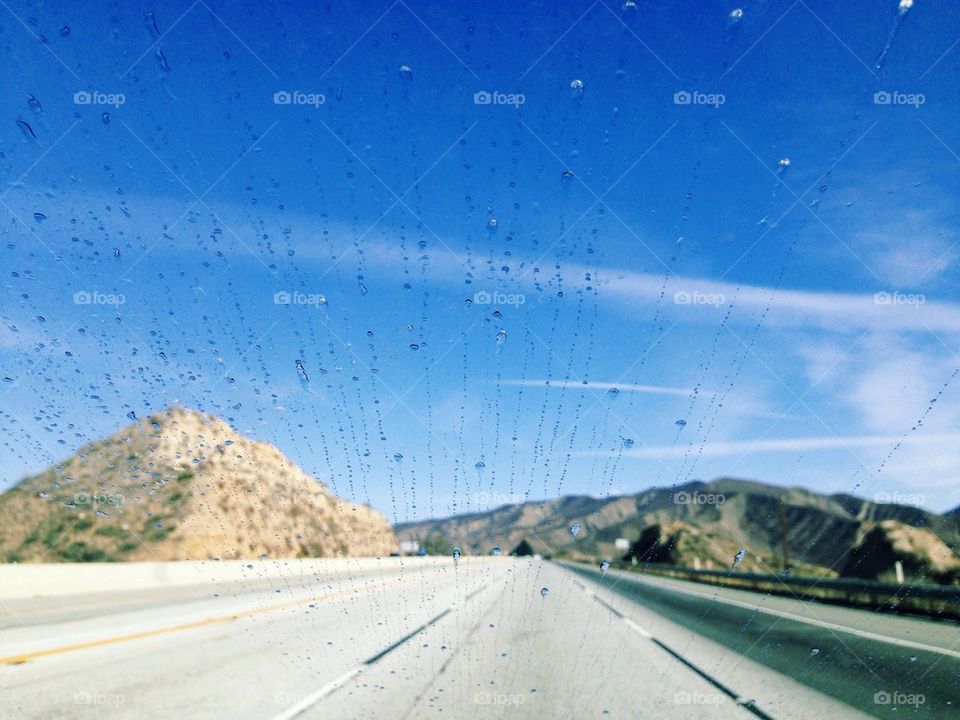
(180, 485)
(705, 524)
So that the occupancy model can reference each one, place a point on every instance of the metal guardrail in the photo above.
(942, 601)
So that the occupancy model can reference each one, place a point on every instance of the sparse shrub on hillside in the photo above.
(436, 545)
(81, 552)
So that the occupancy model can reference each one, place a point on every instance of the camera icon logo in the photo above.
(882, 97)
(882, 698)
(482, 298)
(281, 298)
(682, 97)
(282, 97)
(681, 298)
(82, 97)
(482, 98)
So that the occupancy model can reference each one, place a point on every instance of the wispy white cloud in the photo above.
(799, 444)
(886, 309)
(814, 309)
(605, 387)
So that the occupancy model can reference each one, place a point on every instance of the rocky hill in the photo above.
(704, 523)
(882, 544)
(180, 485)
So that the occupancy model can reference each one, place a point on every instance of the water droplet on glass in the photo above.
(575, 529)
(904, 6)
(456, 555)
(544, 591)
(105, 118)
(815, 651)
(576, 85)
(741, 554)
(604, 566)
(480, 466)
(302, 372)
(736, 14)
(398, 457)
(680, 423)
(492, 224)
(613, 393)
(496, 551)
(628, 443)
(132, 415)
(27, 130)
(406, 72)
(501, 338)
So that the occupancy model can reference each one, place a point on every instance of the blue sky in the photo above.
(772, 262)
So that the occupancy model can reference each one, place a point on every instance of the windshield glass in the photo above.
(413, 359)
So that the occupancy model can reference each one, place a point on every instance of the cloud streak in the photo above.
(605, 386)
(800, 444)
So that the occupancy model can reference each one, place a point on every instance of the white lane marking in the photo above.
(809, 621)
(636, 628)
(737, 699)
(315, 697)
(630, 623)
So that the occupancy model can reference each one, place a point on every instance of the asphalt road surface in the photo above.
(479, 640)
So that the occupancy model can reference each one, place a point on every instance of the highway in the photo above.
(419, 638)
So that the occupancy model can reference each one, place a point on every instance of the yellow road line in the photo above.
(26, 657)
